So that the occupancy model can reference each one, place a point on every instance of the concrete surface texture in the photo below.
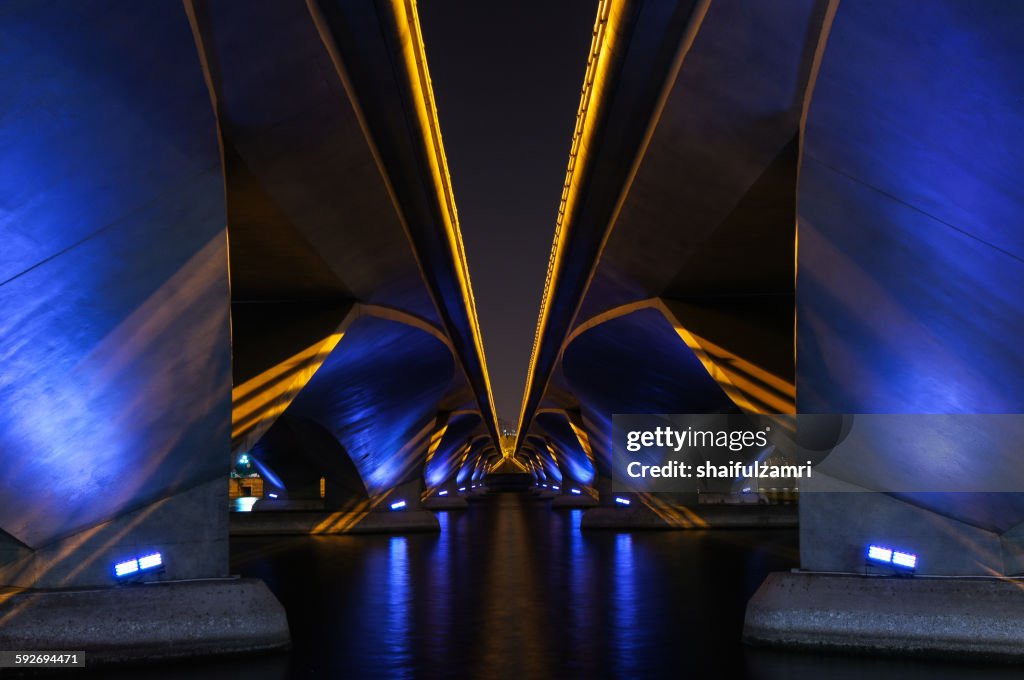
(140, 353)
(147, 623)
(929, 617)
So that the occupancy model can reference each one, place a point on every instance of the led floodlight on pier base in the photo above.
(898, 560)
(137, 567)
(398, 505)
(122, 569)
(622, 501)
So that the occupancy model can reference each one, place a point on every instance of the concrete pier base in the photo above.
(326, 523)
(449, 502)
(976, 618)
(573, 501)
(141, 624)
(692, 517)
(288, 505)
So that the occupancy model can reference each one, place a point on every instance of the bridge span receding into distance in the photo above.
(233, 266)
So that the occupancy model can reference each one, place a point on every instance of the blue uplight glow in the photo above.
(555, 487)
(622, 501)
(126, 568)
(150, 561)
(398, 505)
(903, 559)
(267, 474)
(462, 488)
(271, 495)
(895, 558)
(879, 554)
(373, 419)
(575, 491)
(442, 493)
(137, 565)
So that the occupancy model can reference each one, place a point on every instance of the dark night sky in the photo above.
(507, 79)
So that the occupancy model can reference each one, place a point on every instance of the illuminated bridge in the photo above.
(229, 234)
(231, 231)
(761, 216)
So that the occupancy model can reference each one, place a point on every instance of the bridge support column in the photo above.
(547, 492)
(446, 497)
(66, 595)
(146, 623)
(573, 495)
(396, 511)
(959, 602)
(625, 511)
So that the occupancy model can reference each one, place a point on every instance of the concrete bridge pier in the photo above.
(399, 509)
(445, 497)
(573, 494)
(116, 376)
(67, 595)
(904, 307)
(963, 600)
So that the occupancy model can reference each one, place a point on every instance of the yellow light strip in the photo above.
(582, 437)
(256, 403)
(746, 394)
(673, 515)
(598, 61)
(414, 54)
(435, 439)
(606, 37)
(730, 371)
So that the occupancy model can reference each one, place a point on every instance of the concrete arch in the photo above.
(293, 456)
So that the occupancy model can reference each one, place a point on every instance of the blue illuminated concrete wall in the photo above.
(114, 337)
(443, 465)
(911, 262)
(636, 364)
(377, 393)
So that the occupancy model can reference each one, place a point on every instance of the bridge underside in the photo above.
(802, 208)
(231, 231)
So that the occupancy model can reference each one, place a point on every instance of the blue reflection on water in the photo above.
(399, 604)
(626, 637)
(513, 589)
(580, 581)
(440, 596)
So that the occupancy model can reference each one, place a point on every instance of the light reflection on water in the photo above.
(244, 504)
(625, 607)
(400, 605)
(513, 589)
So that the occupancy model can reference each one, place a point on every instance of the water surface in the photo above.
(513, 589)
